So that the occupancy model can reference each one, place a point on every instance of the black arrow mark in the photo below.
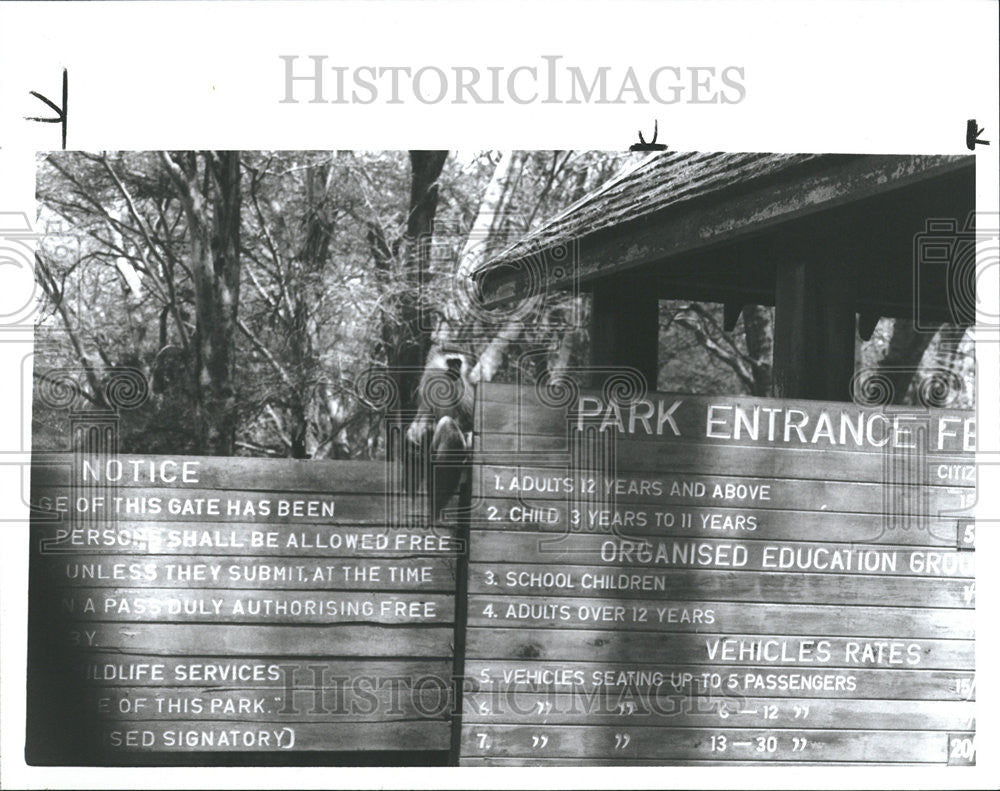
(972, 133)
(652, 145)
(61, 112)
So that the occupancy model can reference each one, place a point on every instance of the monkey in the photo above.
(439, 439)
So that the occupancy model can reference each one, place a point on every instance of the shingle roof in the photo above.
(654, 184)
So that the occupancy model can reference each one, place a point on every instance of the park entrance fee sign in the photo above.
(193, 605)
(672, 579)
(654, 578)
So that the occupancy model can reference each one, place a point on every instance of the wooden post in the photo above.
(814, 329)
(625, 328)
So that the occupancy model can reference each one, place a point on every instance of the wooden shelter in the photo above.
(834, 242)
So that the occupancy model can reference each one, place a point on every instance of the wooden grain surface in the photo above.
(336, 704)
(82, 605)
(194, 538)
(226, 474)
(627, 673)
(649, 650)
(625, 709)
(208, 604)
(201, 736)
(718, 585)
(732, 554)
(787, 589)
(259, 640)
(688, 743)
(637, 595)
(657, 489)
(212, 505)
(105, 670)
(254, 573)
(892, 467)
(636, 520)
(702, 616)
(479, 762)
(509, 409)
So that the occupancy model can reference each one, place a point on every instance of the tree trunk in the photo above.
(219, 284)
(310, 260)
(901, 362)
(212, 208)
(482, 242)
(412, 341)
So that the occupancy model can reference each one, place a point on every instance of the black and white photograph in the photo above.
(653, 463)
(661, 457)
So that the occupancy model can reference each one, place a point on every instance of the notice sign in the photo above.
(186, 604)
(687, 579)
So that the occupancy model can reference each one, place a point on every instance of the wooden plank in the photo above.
(625, 710)
(778, 557)
(704, 616)
(209, 505)
(546, 411)
(815, 325)
(194, 538)
(259, 640)
(741, 421)
(634, 521)
(228, 474)
(338, 703)
(139, 671)
(480, 761)
(687, 743)
(719, 585)
(631, 456)
(542, 395)
(193, 605)
(726, 648)
(540, 484)
(194, 736)
(531, 675)
(255, 573)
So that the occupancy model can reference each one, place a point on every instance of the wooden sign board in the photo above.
(650, 579)
(663, 578)
(219, 605)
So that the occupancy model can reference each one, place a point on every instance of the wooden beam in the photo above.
(730, 315)
(814, 329)
(867, 321)
(624, 329)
